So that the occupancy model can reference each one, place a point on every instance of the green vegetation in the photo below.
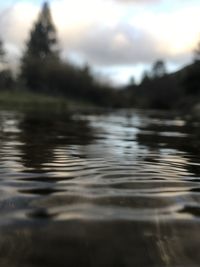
(26, 100)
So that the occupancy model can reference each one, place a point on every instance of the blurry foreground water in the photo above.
(120, 189)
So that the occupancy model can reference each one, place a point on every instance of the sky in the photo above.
(118, 38)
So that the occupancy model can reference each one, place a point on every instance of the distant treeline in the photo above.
(42, 70)
(161, 90)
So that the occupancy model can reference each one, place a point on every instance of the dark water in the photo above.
(120, 189)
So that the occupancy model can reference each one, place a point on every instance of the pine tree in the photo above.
(43, 42)
(191, 80)
(41, 50)
(6, 77)
(197, 53)
(158, 69)
(2, 54)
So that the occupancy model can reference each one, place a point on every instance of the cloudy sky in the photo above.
(119, 38)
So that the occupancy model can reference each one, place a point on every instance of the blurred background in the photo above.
(99, 133)
(116, 54)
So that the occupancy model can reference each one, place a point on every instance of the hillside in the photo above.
(178, 90)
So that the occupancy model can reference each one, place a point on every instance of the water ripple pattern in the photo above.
(141, 169)
(99, 167)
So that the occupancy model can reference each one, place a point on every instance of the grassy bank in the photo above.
(28, 100)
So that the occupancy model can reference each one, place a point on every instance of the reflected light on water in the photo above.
(124, 182)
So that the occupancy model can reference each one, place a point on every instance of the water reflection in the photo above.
(40, 135)
(180, 137)
(99, 190)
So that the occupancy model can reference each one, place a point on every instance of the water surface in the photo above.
(115, 189)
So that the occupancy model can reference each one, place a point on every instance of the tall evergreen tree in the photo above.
(197, 53)
(2, 54)
(191, 82)
(158, 69)
(43, 42)
(41, 50)
(6, 77)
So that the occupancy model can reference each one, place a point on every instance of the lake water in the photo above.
(114, 189)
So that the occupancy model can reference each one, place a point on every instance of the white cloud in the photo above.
(177, 33)
(16, 21)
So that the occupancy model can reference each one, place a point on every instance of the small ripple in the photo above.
(193, 210)
(41, 191)
(195, 190)
(43, 179)
(41, 214)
